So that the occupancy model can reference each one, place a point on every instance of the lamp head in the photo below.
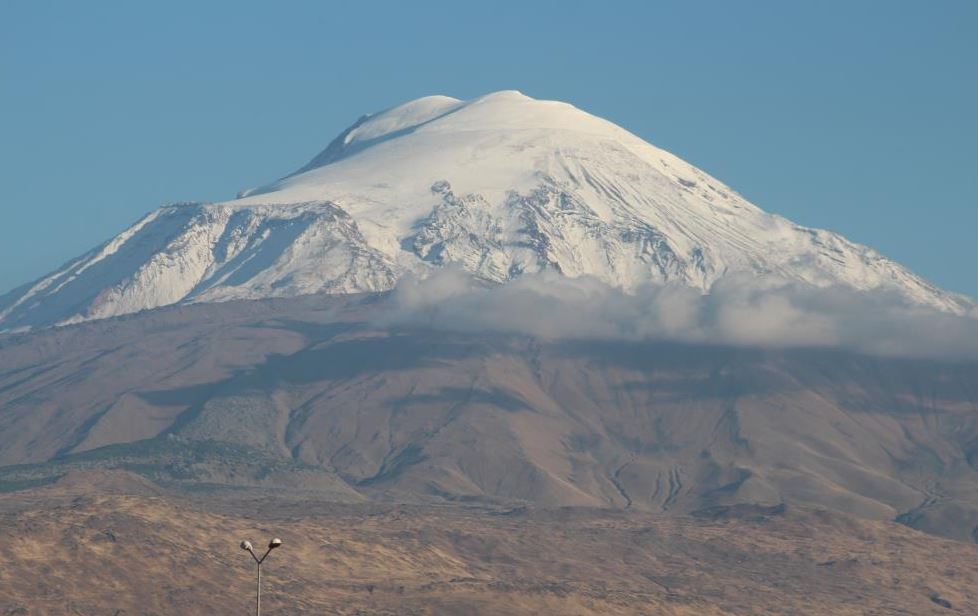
(246, 545)
(274, 543)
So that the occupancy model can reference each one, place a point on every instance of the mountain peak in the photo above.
(511, 94)
(490, 144)
(502, 111)
(500, 185)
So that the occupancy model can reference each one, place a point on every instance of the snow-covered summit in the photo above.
(499, 185)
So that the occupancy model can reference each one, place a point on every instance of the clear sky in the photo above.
(856, 116)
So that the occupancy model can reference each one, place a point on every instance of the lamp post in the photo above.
(246, 545)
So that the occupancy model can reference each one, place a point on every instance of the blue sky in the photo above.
(855, 116)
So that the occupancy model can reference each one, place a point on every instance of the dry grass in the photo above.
(68, 552)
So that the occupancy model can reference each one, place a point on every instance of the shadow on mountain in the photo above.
(346, 359)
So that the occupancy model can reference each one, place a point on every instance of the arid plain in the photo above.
(113, 543)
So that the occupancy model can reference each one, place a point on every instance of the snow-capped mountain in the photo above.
(500, 185)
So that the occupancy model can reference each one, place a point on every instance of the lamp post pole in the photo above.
(246, 545)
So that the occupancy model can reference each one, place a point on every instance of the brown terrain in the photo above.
(111, 543)
(308, 394)
(418, 471)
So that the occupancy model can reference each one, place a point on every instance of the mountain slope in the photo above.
(500, 185)
(305, 393)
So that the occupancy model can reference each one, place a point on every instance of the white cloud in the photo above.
(741, 311)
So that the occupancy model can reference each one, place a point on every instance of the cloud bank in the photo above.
(739, 311)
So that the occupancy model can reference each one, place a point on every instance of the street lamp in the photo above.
(246, 545)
